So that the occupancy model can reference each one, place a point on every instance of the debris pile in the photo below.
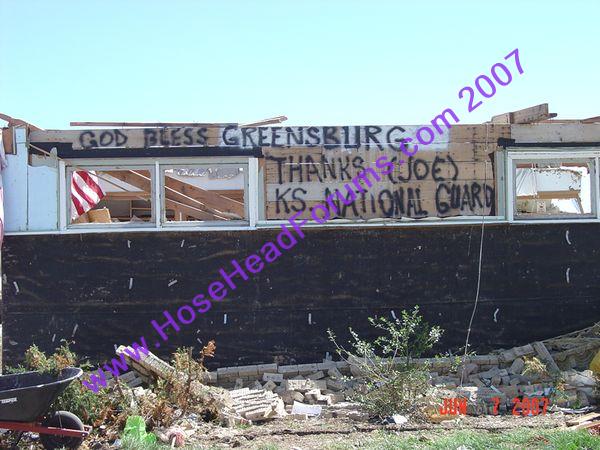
(257, 404)
(553, 370)
(548, 369)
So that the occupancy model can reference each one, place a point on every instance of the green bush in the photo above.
(392, 383)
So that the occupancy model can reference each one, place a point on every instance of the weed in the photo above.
(481, 440)
(90, 407)
(534, 368)
(392, 382)
(183, 390)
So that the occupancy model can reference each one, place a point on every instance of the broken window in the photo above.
(204, 193)
(553, 188)
(102, 195)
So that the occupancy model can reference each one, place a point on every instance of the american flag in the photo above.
(85, 192)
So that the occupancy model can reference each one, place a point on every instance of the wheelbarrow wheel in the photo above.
(62, 419)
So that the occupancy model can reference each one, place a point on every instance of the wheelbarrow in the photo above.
(25, 399)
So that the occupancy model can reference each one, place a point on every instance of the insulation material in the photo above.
(553, 190)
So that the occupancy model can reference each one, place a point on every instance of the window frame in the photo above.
(251, 186)
(66, 199)
(518, 155)
(194, 223)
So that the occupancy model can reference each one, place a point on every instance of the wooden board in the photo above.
(583, 418)
(444, 179)
(559, 132)
(528, 115)
(328, 137)
(449, 176)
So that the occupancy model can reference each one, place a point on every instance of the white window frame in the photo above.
(517, 154)
(194, 223)
(153, 164)
(66, 200)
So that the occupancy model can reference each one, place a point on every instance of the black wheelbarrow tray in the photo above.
(25, 399)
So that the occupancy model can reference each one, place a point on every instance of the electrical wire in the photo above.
(462, 377)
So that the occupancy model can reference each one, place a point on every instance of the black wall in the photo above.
(339, 276)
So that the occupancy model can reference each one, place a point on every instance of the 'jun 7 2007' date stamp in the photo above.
(526, 406)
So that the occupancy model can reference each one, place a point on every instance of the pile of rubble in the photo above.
(268, 391)
(482, 379)
(281, 392)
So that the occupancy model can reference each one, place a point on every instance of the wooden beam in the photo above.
(208, 198)
(556, 132)
(594, 119)
(585, 418)
(546, 358)
(135, 138)
(12, 122)
(528, 115)
(7, 140)
(148, 124)
(189, 210)
(551, 195)
(264, 122)
(127, 195)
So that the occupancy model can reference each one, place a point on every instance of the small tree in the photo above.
(391, 382)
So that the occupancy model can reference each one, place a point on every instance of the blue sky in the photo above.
(317, 62)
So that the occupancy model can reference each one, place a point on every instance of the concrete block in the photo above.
(262, 368)
(304, 385)
(476, 381)
(317, 375)
(334, 385)
(342, 365)
(489, 373)
(275, 377)
(335, 398)
(325, 365)
(245, 371)
(289, 397)
(524, 350)
(285, 370)
(305, 369)
(258, 414)
(468, 369)
(579, 379)
(487, 360)
(509, 356)
(227, 372)
(334, 372)
(269, 386)
(516, 368)
(314, 396)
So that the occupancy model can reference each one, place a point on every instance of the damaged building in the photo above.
(108, 227)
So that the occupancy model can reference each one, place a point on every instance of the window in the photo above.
(553, 188)
(103, 195)
(186, 192)
(204, 193)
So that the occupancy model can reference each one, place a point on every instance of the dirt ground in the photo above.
(322, 433)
